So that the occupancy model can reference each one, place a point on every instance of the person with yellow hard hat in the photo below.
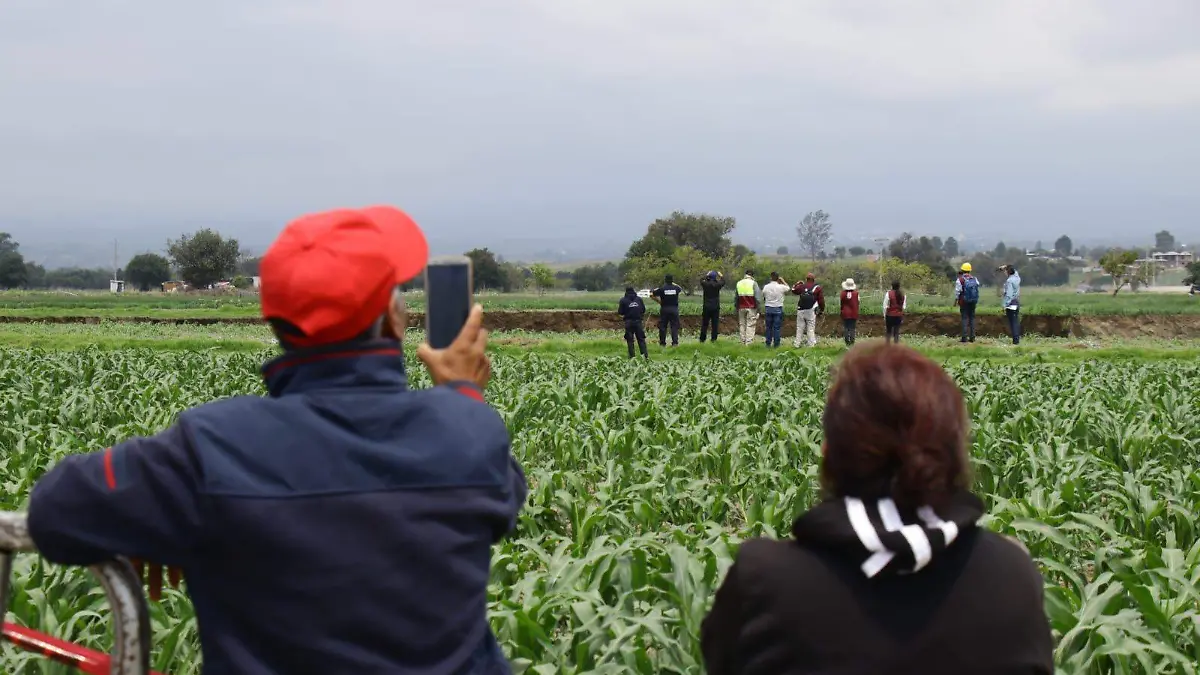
(966, 295)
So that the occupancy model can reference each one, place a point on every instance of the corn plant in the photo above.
(644, 479)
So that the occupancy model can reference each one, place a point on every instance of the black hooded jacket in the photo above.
(865, 589)
(631, 307)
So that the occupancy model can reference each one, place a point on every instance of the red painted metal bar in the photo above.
(81, 659)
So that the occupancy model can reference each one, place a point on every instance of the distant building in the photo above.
(1174, 258)
(116, 286)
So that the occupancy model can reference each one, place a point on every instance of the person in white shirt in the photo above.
(773, 294)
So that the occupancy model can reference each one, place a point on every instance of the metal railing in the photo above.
(122, 586)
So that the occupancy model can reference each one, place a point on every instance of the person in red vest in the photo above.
(849, 302)
(894, 304)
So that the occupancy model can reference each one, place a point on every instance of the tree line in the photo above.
(200, 260)
(685, 245)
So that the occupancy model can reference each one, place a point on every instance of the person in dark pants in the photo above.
(633, 310)
(1012, 303)
(966, 295)
(890, 572)
(711, 286)
(894, 304)
(849, 301)
(667, 296)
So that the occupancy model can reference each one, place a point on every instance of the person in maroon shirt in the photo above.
(849, 302)
(810, 306)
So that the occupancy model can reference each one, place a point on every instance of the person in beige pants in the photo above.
(748, 300)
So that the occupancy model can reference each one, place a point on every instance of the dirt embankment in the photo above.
(571, 321)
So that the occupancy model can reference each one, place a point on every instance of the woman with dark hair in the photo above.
(894, 304)
(890, 572)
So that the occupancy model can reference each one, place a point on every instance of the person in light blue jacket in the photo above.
(1012, 303)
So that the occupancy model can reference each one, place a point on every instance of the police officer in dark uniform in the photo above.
(633, 309)
(667, 296)
(711, 284)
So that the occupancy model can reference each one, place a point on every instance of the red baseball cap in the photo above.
(332, 274)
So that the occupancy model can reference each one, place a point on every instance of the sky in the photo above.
(569, 125)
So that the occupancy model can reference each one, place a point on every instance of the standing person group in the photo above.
(810, 305)
(773, 294)
(711, 286)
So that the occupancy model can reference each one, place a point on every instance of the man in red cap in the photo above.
(341, 524)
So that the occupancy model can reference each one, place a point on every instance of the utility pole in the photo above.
(882, 242)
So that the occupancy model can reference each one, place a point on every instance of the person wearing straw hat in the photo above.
(849, 301)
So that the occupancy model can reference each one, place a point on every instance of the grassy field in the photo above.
(1054, 301)
(645, 477)
(254, 338)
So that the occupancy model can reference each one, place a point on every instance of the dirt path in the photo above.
(572, 321)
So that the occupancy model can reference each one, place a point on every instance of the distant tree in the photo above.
(1062, 246)
(950, 248)
(1164, 241)
(688, 265)
(242, 282)
(204, 258)
(815, 231)
(782, 250)
(870, 251)
(1121, 265)
(8, 244)
(938, 244)
(704, 232)
(1193, 274)
(594, 277)
(80, 278)
(921, 250)
(485, 269)
(738, 254)
(1001, 251)
(1038, 247)
(513, 277)
(249, 265)
(13, 273)
(646, 271)
(839, 252)
(148, 270)
(543, 277)
(856, 251)
(35, 275)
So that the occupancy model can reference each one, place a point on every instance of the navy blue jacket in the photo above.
(342, 524)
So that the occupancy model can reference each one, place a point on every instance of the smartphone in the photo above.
(449, 292)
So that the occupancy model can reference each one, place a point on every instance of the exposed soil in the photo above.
(573, 321)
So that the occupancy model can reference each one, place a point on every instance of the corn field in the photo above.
(645, 477)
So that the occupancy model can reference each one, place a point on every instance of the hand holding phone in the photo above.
(465, 359)
(448, 295)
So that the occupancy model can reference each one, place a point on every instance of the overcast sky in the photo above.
(510, 121)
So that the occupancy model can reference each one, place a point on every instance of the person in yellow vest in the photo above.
(748, 300)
